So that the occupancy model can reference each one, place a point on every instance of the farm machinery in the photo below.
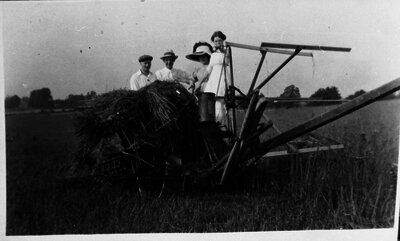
(175, 136)
(247, 148)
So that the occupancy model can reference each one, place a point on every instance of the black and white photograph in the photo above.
(200, 120)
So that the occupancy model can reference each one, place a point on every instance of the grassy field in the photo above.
(350, 189)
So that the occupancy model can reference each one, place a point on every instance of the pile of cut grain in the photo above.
(134, 132)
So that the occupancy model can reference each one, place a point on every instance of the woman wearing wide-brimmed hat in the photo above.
(201, 53)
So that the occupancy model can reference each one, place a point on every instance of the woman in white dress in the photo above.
(201, 53)
(218, 76)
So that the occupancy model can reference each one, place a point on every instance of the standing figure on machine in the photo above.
(218, 75)
(201, 53)
(144, 76)
(169, 73)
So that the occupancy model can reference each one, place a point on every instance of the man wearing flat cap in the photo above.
(144, 76)
(169, 73)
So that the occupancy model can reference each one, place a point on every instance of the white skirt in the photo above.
(216, 81)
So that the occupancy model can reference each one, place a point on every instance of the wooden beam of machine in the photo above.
(327, 117)
(280, 99)
(307, 47)
(270, 50)
(247, 117)
(304, 150)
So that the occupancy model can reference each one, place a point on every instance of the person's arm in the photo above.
(184, 77)
(209, 68)
(203, 79)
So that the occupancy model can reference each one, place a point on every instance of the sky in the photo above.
(73, 47)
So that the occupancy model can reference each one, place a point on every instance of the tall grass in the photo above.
(357, 184)
(349, 188)
(359, 191)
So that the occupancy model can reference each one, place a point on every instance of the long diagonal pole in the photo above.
(306, 47)
(253, 83)
(270, 50)
(327, 117)
(279, 68)
(248, 116)
(231, 90)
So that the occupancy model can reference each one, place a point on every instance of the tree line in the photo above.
(322, 96)
(42, 98)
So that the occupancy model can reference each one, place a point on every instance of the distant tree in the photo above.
(328, 93)
(90, 95)
(12, 102)
(24, 102)
(60, 103)
(25, 99)
(73, 101)
(41, 98)
(290, 91)
(356, 94)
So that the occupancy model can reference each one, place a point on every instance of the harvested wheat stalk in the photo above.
(137, 131)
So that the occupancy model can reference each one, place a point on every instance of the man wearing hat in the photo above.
(169, 73)
(144, 76)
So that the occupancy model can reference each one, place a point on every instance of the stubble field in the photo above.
(348, 189)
